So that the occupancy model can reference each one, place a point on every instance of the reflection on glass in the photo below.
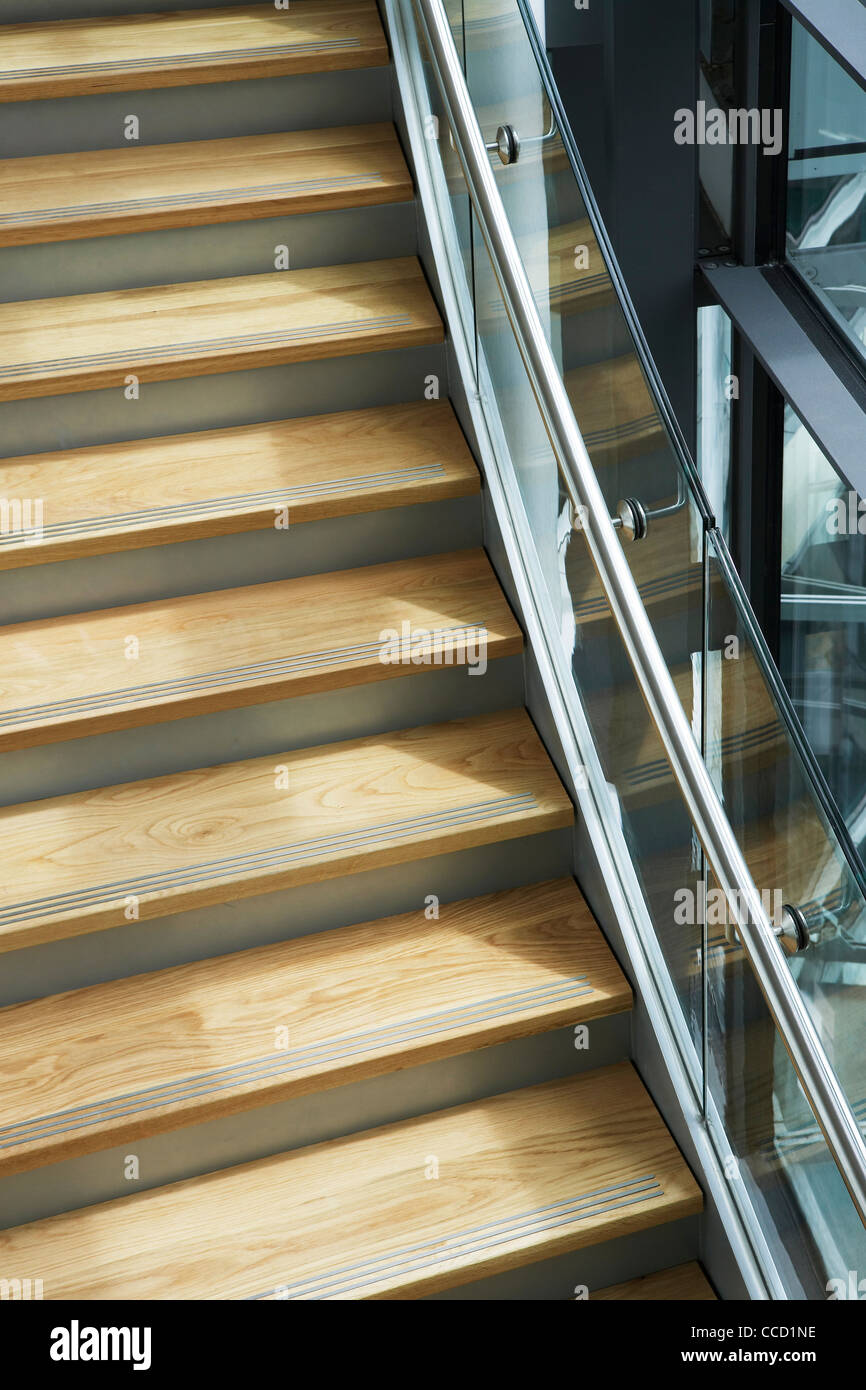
(792, 853)
(794, 858)
(716, 34)
(629, 447)
(823, 650)
(778, 1156)
(716, 385)
(826, 233)
(667, 568)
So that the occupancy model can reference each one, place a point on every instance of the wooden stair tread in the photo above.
(682, 1284)
(524, 1176)
(357, 1002)
(69, 677)
(133, 52)
(58, 197)
(181, 487)
(614, 409)
(206, 326)
(85, 861)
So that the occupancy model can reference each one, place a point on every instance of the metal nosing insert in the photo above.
(259, 861)
(337, 182)
(275, 1065)
(236, 502)
(444, 640)
(171, 59)
(475, 1240)
(169, 350)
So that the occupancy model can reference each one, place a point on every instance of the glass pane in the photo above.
(668, 568)
(789, 844)
(453, 205)
(693, 600)
(585, 325)
(629, 447)
(778, 1157)
(823, 650)
(826, 233)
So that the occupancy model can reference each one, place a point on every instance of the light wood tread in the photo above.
(216, 482)
(319, 1011)
(743, 728)
(100, 858)
(682, 1284)
(522, 1177)
(78, 675)
(59, 197)
(614, 409)
(168, 331)
(120, 53)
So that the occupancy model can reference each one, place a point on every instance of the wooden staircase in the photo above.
(216, 928)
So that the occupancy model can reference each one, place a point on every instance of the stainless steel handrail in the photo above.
(811, 1063)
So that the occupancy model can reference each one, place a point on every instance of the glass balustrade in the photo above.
(772, 790)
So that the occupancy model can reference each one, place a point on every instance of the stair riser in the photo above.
(249, 557)
(307, 101)
(184, 254)
(596, 1267)
(402, 1094)
(421, 696)
(311, 907)
(228, 398)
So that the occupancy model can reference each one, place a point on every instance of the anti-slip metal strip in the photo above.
(283, 497)
(440, 641)
(277, 50)
(337, 182)
(275, 1065)
(147, 354)
(472, 1240)
(75, 899)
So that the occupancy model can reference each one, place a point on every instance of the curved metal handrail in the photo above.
(790, 1015)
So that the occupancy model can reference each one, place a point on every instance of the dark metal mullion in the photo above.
(756, 540)
(747, 83)
(763, 47)
(773, 94)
